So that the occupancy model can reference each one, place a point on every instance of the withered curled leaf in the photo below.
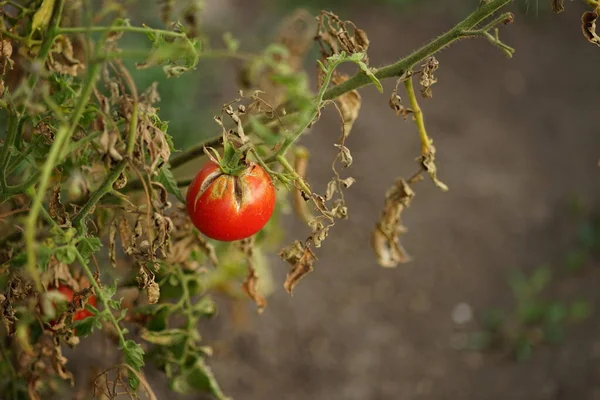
(153, 291)
(56, 208)
(301, 257)
(558, 6)
(588, 26)
(112, 243)
(250, 287)
(335, 35)
(427, 161)
(386, 237)
(427, 78)
(348, 104)
(344, 154)
(125, 235)
(250, 284)
(319, 232)
(61, 58)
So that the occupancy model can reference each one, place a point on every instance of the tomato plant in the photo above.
(230, 207)
(91, 179)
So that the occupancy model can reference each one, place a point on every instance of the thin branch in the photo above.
(123, 28)
(105, 188)
(399, 68)
(394, 70)
(418, 115)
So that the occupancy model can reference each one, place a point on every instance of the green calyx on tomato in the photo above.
(233, 160)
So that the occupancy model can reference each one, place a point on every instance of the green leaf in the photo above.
(160, 320)
(152, 309)
(85, 326)
(166, 178)
(66, 254)
(44, 254)
(363, 67)
(197, 377)
(42, 16)
(165, 337)
(88, 246)
(134, 354)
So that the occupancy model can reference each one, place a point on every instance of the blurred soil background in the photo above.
(499, 301)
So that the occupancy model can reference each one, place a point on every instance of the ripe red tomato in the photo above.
(226, 207)
(68, 293)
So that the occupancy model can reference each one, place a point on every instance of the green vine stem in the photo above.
(288, 168)
(418, 115)
(123, 28)
(104, 189)
(463, 30)
(100, 294)
(110, 179)
(63, 136)
(400, 67)
(289, 142)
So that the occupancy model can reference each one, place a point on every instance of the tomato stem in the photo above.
(301, 182)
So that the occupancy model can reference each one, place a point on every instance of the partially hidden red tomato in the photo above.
(226, 207)
(68, 293)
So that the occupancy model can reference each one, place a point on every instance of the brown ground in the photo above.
(516, 139)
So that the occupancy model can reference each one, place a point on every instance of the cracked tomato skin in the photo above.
(226, 207)
(68, 293)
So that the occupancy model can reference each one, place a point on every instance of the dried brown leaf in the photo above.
(112, 243)
(17, 289)
(301, 258)
(153, 291)
(427, 161)
(209, 250)
(250, 286)
(58, 273)
(344, 154)
(319, 202)
(558, 6)
(121, 181)
(62, 58)
(163, 227)
(335, 36)
(108, 144)
(348, 104)
(332, 188)
(386, 237)
(427, 79)
(56, 209)
(588, 26)
(339, 209)
(319, 232)
(125, 235)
